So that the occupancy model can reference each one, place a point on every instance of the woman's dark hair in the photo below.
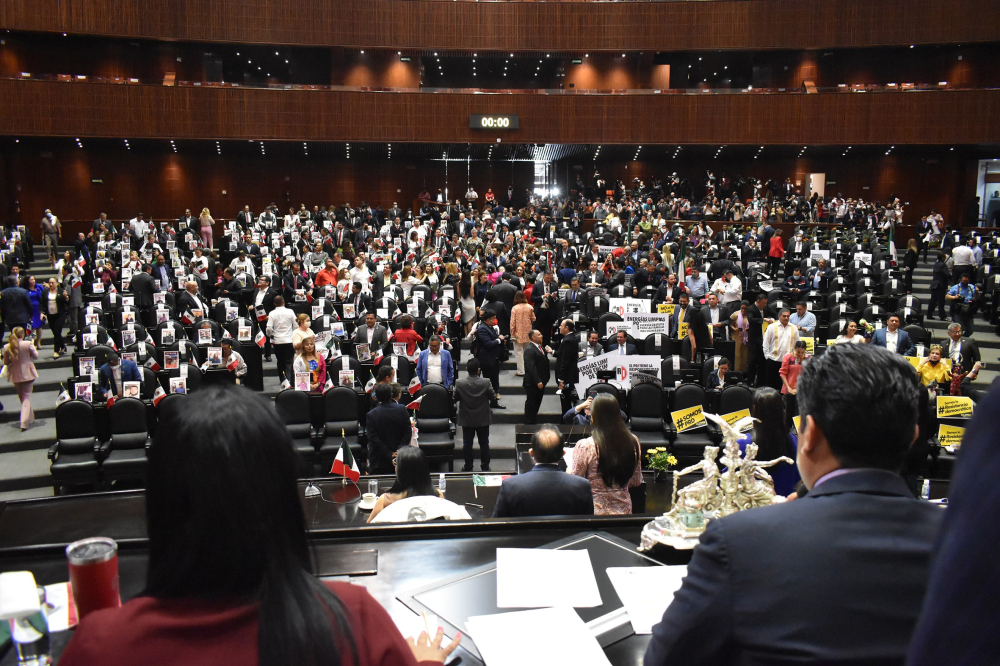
(413, 474)
(406, 321)
(769, 431)
(616, 448)
(225, 523)
(465, 285)
(519, 297)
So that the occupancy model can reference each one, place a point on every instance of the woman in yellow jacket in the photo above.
(932, 369)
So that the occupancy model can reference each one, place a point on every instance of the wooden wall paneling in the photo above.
(75, 109)
(725, 24)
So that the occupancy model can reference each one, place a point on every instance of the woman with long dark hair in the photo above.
(229, 576)
(413, 498)
(772, 438)
(609, 459)
(467, 299)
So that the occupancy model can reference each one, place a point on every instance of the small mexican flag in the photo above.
(345, 464)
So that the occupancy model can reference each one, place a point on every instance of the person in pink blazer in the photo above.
(19, 356)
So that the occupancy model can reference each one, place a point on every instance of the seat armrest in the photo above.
(53, 451)
(101, 449)
(669, 431)
(714, 432)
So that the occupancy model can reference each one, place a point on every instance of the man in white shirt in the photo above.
(360, 274)
(779, 339)
(280, 324)
(242, 264)
(965, 262)
(434, 364)
(728, 288)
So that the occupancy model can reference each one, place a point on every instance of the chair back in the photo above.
(76, 430)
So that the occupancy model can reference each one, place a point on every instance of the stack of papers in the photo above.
(646, 592)
(568, 579)
(542, 636)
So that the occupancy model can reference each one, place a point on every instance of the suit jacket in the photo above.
(474, 394)
(15, 306)
(835, 605)
(545, 490)
(379, 337)
(489, 344)
(630, 349)
(536, 367)
(537, 291)
(129, 372)
(388, 428)
(363, 303)
(968, 353)
(904, 346)
(674, 322)
(958, 623)
(940, 276)
(143, 288)
(756, 331)
(447, 369)
(164, 274)
(186, 302)
(700, 321)
(566, 359)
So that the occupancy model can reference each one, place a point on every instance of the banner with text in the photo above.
(623, 366)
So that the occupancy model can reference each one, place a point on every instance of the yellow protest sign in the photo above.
(810, 344)
(733, 417)
(797, 420)
(953, 406)
(763, 327)
(950, 435)
(682, 330)
(686, 419)
(831, 342)
(666, 308)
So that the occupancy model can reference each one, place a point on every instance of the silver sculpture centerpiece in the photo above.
(743, 485)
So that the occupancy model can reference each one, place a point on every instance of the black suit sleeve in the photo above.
(697, 627)
(501, 510)
(531, 356)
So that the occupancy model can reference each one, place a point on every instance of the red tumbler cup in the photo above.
(93, 574)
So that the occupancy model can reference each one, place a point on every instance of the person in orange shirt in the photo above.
(327, 276)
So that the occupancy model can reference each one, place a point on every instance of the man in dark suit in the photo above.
(372, 333)
(593, 276)
(831, 549)
(545, 490)
(191, 300)
(474, 394)
(893, 333)
(116, 371)
(567, 374)
(292, 281)
(544, 297)
(362, 302)
(245, 218)
(15, 306)
(965, 352)
(536, 375)
(958, 623)
(755, 340)
(682, 314)
(388, 428)
(143, 287)
(163, 273)
(489, 345)
(504, 292)
(621, 341)
(708, 325)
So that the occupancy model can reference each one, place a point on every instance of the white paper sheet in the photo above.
(646, 592)
(568, 579)
(563, 640)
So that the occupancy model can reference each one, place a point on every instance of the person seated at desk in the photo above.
(372, 333)
(796, 283)
(933, 369)
(621, 346)
(544, 490)
(388, 428)
(114, 373)
(772, 438)
(717, 378)
(803, 320)
(229, 357)
(831, 549)
(434, 364)
(413, 498)
(609, 459)
(251, 597)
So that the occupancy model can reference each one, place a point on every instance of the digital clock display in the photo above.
(504, 122)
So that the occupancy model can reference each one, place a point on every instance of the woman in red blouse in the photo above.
(775, 253)
(229, 577)
(405, 333)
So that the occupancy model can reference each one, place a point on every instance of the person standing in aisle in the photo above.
(280, 326)
(475, 394)
(536, 376)
(18, 357)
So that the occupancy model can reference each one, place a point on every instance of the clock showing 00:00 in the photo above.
(477, 121)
